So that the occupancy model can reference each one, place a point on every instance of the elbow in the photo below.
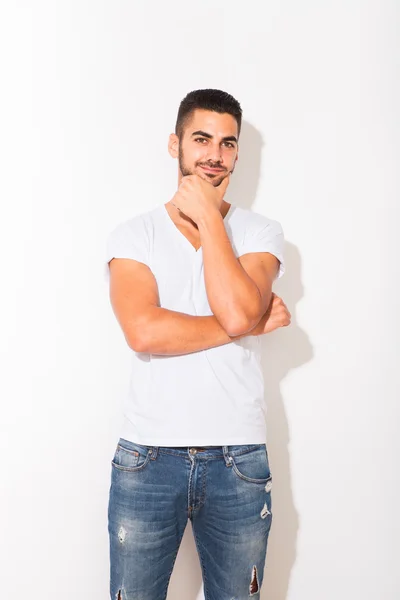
(243, 323)
(137, 342)
(142, 333)
(245, 319)
(239, 326)
(137, 346)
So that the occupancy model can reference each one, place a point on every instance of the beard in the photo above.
(214, 178)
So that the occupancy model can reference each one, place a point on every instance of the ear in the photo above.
(173, 145)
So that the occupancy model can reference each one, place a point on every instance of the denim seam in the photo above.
(173, 564)
(240, 453)
(206, 594)
(136, 452)
(249, 479)
(203, 488)
(132, 469)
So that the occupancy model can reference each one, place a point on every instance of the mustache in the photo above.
(211, 165)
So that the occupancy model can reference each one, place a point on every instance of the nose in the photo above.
(214, 153)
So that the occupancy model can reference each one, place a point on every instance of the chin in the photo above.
(212, 178)
(218, 180)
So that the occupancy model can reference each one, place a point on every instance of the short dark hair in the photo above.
(208, 99)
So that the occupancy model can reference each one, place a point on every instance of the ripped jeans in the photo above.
(225, 491)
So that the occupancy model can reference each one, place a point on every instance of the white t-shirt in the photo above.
(209, 397)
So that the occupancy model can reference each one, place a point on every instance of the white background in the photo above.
(90, 92)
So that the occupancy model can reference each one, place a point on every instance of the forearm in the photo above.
(232, 295)
(170, 332)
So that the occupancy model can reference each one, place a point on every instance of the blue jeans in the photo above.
(225, 491)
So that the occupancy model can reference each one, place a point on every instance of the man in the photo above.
(191, 287)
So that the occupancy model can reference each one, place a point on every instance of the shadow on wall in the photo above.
(282, 350)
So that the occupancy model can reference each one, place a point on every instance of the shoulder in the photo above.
(136, 226)
(254, 221)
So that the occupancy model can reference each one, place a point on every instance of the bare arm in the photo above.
(232, 295)
(170, 332)
(149, 328)
(239, 290)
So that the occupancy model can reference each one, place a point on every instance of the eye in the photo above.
(200, 140)
(229, 144)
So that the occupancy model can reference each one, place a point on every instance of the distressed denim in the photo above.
(225, 491)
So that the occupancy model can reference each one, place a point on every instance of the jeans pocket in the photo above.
(253, 466)
(129, 456)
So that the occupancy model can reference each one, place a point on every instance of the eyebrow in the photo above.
(228, 138)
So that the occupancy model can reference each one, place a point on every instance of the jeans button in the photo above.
(192, 450)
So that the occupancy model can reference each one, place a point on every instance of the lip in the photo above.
(211, 170)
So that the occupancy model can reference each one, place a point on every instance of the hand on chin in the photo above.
(196, 196)
(214, 178)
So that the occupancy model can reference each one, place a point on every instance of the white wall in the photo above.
(90, 92)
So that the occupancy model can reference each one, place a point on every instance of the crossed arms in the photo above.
(239, 292)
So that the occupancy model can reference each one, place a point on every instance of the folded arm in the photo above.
(239, 290)
(149, 328)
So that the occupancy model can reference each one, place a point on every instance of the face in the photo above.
(209, 146)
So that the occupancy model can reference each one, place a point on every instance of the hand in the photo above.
(196, 197)
(277, 315)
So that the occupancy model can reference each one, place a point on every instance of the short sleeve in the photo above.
(265, 235)
(127, 240)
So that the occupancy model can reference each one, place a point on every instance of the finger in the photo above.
(186, 180)
(224, 184)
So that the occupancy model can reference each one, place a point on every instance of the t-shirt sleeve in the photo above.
(265, 236)
(127, 240)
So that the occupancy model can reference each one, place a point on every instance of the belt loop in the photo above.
(228, 460)
(154, 452)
